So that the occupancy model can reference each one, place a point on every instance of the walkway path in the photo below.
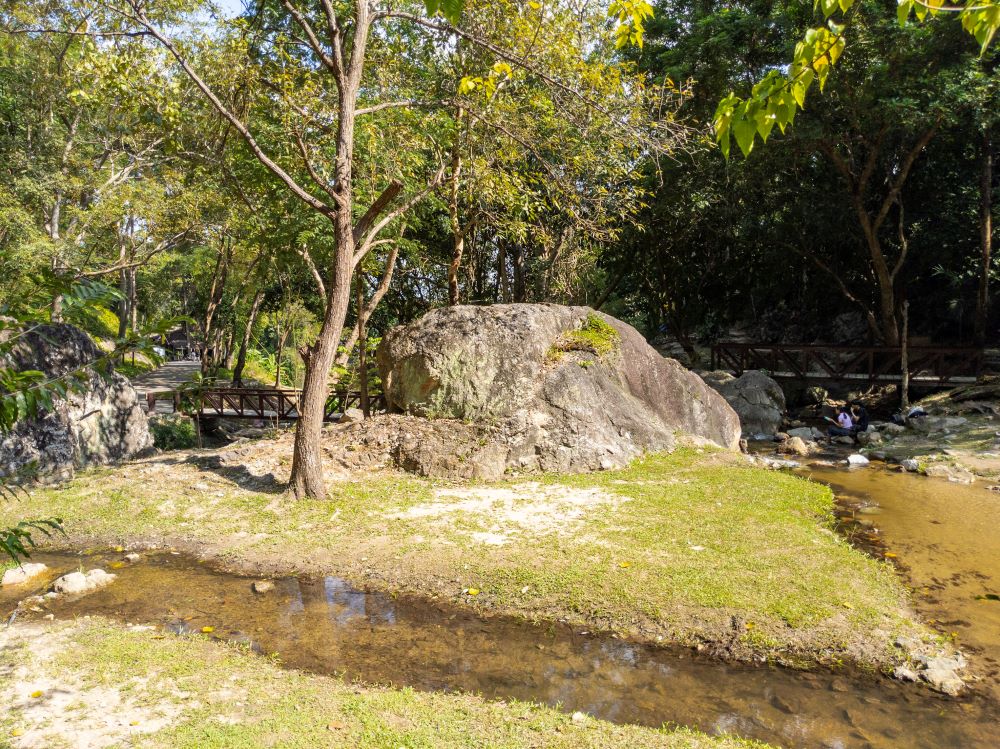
(170, 376)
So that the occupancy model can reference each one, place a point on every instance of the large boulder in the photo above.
(100, 422)
(562, 388)
(757, 399)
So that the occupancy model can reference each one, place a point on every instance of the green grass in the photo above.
(595, 336)
(217, 696)
(694, 546)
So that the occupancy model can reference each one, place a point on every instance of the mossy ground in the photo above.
(693, 547)
(96, 680)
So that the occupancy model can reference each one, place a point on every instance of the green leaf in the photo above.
(745, 131)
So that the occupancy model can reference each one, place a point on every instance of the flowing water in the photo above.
(946, 542)
(326, 626)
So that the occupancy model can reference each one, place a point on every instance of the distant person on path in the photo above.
(845, 424)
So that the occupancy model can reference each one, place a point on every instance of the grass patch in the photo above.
(173, 431)
(188, 692)
(595, 336)
(693, 547)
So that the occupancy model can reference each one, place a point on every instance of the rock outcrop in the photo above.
(756, 398)
(558, 388)
(101, 422)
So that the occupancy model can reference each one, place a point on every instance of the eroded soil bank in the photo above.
(324, 626)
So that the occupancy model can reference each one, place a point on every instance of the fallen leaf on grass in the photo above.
(17, 732)
(473, 591)
(624, 564)
(37, 693)
(336, 725)
(889, 555)
(208, 630)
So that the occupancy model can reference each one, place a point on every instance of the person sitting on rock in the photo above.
(860, 416)
(845, 424)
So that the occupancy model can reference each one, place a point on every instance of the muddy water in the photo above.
(946, 538)
(324, 625)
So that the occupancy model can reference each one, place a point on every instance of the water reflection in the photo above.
(326, 626)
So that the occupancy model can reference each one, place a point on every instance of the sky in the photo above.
(230, 7)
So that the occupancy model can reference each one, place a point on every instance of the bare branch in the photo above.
(304, 151)
(330, 62)
(306, 256)
(375, 209)
(412, 200)
(300, 192)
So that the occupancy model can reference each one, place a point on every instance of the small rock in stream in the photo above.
(910, 465)
(857, 460)
(132, 557)
(262, 586)
(22, 574)
(79, 582)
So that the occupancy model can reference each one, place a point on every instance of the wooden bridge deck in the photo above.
(265, 404)
(940, 366)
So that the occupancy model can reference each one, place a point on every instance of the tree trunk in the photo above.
(307, 461)
(282, 337)
(503, 273)
(904, 356)
(133, 300)
(123, 311)
(363, 347)
(457, 234)
(241, 358)
(214, 299)
(985, 237)
(370, 306)
(520, 285)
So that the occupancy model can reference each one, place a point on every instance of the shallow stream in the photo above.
(945, 538)
(324, 625)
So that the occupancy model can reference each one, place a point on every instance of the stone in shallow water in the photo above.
(79, 582)
(262, 586)
(857, 460)
(22, 574)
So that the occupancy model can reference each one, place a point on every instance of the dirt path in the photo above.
(168, 377)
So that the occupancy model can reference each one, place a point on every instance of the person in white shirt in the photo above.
(845, 425)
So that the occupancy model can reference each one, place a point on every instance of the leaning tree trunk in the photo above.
(241, 358)
(985, 237)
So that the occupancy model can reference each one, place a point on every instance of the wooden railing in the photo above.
(938, 365)
(273, 404)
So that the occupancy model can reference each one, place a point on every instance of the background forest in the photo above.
(506, 182)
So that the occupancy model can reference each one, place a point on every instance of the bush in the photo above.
(99, 321)
(173, 432)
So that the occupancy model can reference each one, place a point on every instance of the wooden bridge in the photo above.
(940, 366)
(265, 404)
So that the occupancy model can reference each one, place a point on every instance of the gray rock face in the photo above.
(756, 398)
(525, 372)
(102, 423)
